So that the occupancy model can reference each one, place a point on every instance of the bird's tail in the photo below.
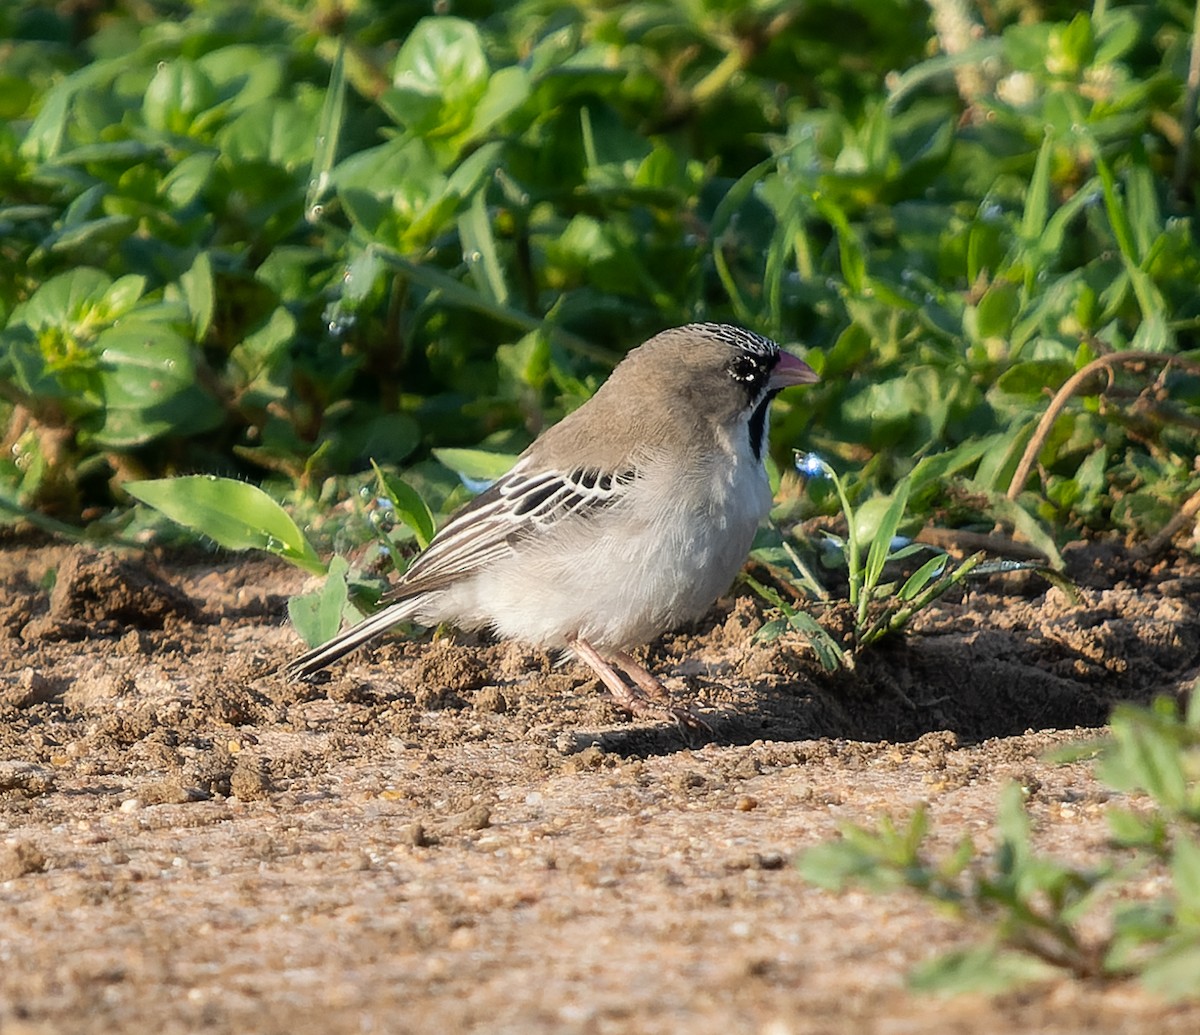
(345, 642)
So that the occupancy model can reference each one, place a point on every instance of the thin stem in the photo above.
(1190, 98)
(1163, 537)
(853, 562)
(1072, 385)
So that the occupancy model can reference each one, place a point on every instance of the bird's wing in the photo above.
(521, 504)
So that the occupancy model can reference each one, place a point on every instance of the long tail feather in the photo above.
(345, 642)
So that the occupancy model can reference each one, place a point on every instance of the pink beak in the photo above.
(790, 371)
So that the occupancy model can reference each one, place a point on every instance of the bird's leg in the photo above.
(622, 694)
(641, 676)
(649, 699)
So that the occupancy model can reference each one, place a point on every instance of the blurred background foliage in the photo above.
(281, 240)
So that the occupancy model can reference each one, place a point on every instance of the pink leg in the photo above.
(650, 698)
(641, 676)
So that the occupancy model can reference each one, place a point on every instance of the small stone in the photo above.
(131, 644)
(477, 817)
(414, 836)
(170, 791)
(31, 687)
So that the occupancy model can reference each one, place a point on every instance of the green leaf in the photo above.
(441, 54)
(329, 130)
(829, 652)
(476, 464)
(439, 82)
(409, 505)
(850, 249)
(317, 616)
(197, 286)
(928, 571)
(1175, 972)
(1028, 526)
(506, 91)
(727, 211)
(264, 345)
(1143, 757)
(771, 631)
(64, 300)
(233, 514)
(387, 437)
(935, 469)
(93, 234)
(184, 183)
(1191, 717)
(245, 74)
(881, 542)
(834, 865)
(276, 131)
(389, 184)
(1037, 194)
(148, 383)
(997, 310)
(178, 92)
(987, 969)
(1185, 876)
(1012, 823)
(47, 133)
(479, 249)
(1131, 829)
(1032, 377)
(1072, 47)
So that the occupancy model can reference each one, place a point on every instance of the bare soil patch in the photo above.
(454, 835)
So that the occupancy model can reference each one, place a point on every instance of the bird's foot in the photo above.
(647, 698)
(690, 722)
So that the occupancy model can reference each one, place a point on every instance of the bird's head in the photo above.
(721, 374)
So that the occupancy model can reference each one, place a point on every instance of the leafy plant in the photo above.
(1042, 915)
(879, 607)
(239, 516)
(271, 244)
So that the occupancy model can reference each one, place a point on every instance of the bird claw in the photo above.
(692, 725)
(690, 722)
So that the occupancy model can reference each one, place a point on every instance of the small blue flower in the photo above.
(811, 465)
(475, 485)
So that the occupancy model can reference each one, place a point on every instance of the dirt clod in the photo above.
(20, 858)
(103, 593)
(249, 781)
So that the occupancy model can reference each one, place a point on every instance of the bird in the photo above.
(624, 520)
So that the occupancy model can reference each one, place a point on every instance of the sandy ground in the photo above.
(454, 836)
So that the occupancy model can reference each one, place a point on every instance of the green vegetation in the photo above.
(1042, 915)
(281, 241)
(865, 574)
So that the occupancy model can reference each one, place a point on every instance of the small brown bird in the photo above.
(627, 518)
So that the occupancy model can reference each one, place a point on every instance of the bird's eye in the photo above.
(746, 369)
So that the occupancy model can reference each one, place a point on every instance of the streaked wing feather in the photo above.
(515, 507)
